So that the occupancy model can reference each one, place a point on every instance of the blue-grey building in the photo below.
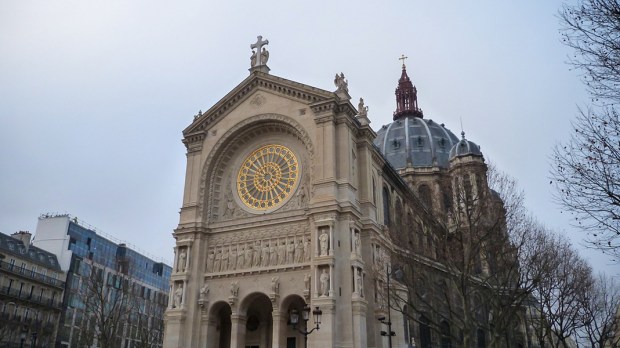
(115, 295)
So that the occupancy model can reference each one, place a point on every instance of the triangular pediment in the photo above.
(257, 81)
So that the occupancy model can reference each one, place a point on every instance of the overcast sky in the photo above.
(94, 94)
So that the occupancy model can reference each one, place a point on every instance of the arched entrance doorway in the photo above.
(289, 337)
(219, 325)
(258, 321)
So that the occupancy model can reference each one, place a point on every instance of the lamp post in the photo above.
(305, 313)
(398, 273)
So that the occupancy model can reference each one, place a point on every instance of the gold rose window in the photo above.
(267, 177)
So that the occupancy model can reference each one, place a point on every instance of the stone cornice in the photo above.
(257, 80)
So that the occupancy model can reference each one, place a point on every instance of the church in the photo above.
(295, 213)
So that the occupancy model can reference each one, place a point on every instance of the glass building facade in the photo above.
(115, 296)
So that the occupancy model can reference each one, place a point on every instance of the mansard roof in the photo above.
(12, 246)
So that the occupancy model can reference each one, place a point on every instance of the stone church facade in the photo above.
(289, 200)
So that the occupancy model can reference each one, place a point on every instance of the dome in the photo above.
(465, 147)
(412, 141)
(415, 142)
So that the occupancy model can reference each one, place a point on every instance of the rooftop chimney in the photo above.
(24, 236)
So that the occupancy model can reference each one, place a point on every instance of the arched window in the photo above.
(411, 228)
(446, 341)
(398, 220)
(386, 207)
(425, 195)
(447, 198)
(374, 190)
(425, 332)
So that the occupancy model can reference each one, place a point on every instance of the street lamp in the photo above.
(305, 313)
(398, 274)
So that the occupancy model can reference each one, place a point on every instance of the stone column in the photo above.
(359, 324)
(277, 332)
(331, 280)
(188, 259)
(237, 330)
(330, 250)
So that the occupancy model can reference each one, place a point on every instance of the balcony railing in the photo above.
(25, 296)
(30, 274)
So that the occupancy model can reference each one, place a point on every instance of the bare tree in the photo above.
(468, 278)
(558, 295)
(600, 304)
(587, 177)
(147, 320)
(592, 29)
(105, 300)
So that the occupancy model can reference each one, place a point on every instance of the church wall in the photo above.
(342, 176)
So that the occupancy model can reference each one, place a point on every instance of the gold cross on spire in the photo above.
(402, 57)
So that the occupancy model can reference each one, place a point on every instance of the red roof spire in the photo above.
(406, 97)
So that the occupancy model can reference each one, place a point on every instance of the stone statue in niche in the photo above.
(210, 260)
(282, 252)
(229, 209)
(248, 256)
(273, 255)
(224, 266)
(178, 296)
(323, 243)
(360, 283)
(290, 252)
(256, 254)
(218, 261)
(241, 258)
(299, 252)
(232, 259)
(356, 242)
(182, 260)
(265, 255)
(307, 250)
(324, 279)
(301, 196)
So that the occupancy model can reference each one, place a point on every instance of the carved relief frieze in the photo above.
(262, 249)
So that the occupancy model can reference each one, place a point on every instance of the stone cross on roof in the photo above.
(261, 55)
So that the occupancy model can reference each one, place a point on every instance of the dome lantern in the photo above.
(406, 97)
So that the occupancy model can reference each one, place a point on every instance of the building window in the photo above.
(386, 207)
(446, 342)
(481, 336)
(425, 332)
